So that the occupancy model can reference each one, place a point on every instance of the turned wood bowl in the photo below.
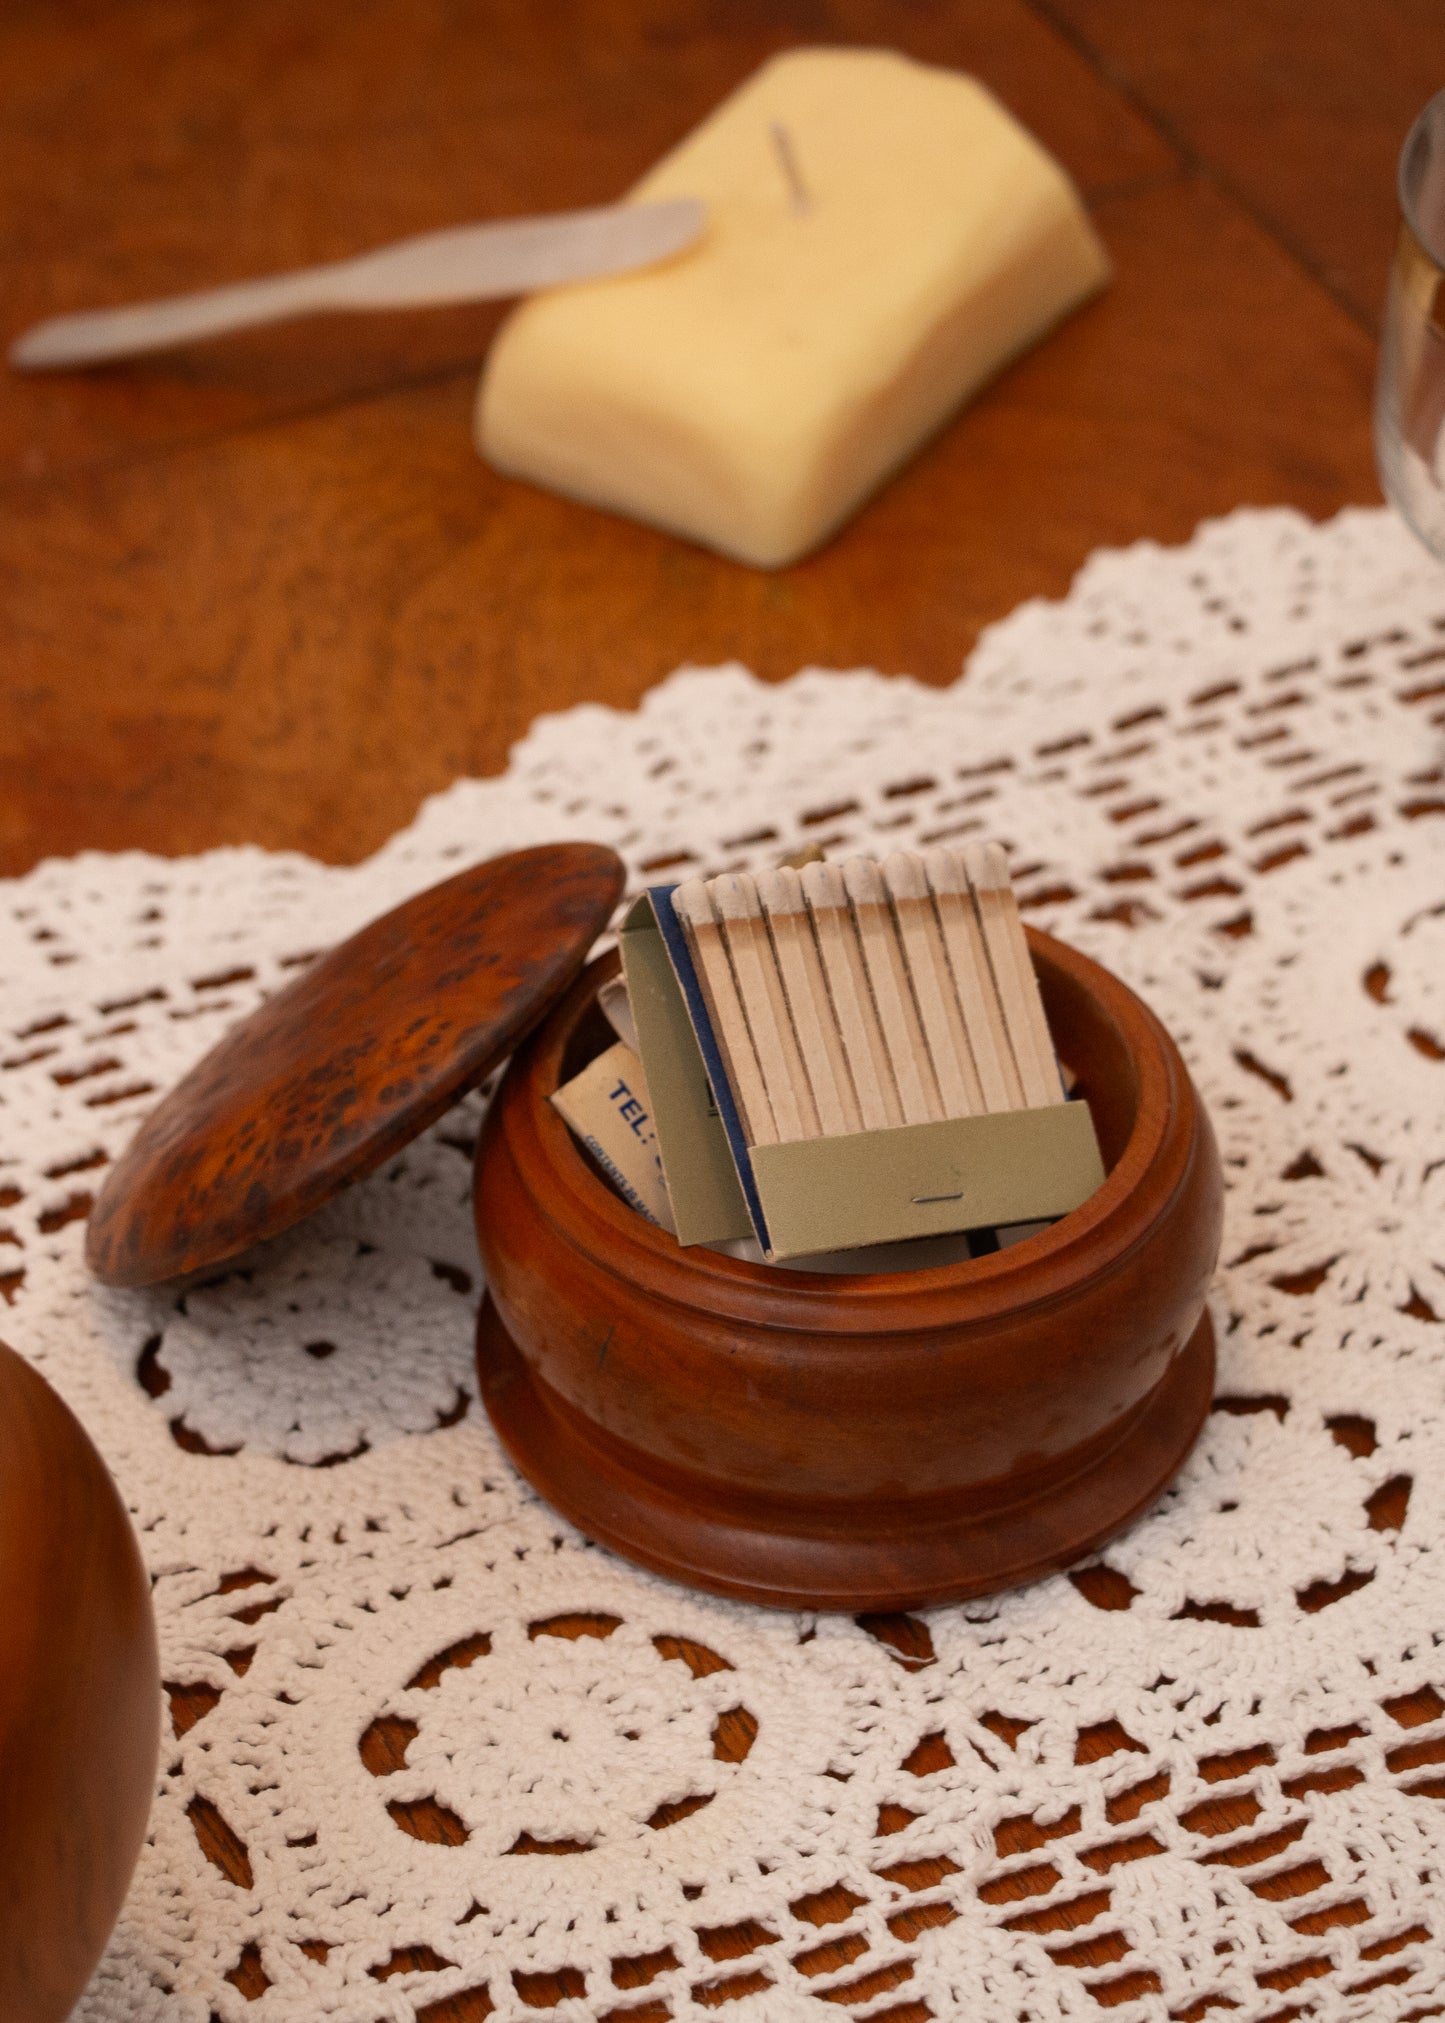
(80, 1700)
(865, 1441)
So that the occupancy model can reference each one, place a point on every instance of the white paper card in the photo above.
(607, 1105)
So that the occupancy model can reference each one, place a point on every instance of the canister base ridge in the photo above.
(848, 1556)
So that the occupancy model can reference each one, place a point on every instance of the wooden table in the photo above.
(264, 590)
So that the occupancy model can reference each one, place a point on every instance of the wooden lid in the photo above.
(332, 1075)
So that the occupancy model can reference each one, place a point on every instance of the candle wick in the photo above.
(788, 162)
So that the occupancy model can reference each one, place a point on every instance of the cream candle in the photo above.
(882, 237)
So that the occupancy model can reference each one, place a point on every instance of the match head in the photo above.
(735, 896)
(944, 870)
(904, 875)
(823, 886)
(987, 867)
(781, 891)
(692, 904)
(864, 882)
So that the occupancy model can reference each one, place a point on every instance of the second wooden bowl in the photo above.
(80, 1700)
(870, 1441)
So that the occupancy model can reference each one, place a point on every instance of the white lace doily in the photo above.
(1219, 769)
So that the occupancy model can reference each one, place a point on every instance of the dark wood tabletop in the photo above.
(264, 590)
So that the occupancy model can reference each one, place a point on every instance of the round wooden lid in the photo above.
(332, 1075)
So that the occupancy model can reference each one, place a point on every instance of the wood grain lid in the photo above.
(356, 1057)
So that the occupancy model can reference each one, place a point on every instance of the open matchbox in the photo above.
(831, 1193)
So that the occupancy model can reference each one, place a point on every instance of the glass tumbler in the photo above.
(1410, 394)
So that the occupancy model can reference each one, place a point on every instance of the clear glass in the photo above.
(1410, 394)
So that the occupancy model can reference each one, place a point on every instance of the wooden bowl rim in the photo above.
(1048, 1267)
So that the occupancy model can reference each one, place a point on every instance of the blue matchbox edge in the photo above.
(675, 942)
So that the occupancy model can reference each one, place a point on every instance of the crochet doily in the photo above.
(394, 1774)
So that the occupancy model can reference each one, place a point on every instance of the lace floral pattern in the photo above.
(429, 1747)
